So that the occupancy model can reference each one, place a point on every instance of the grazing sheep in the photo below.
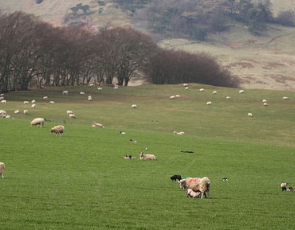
(134, 106)
(51, 102)
(143, 156)
(65, 92)
(172, 97)
(99, 88)
(2, 169)
(241, 91)
(16, 111)
(201, 90)
(185, 84)
(121, 132)
(186, 88)
(97, 125)
(265, 104)
(38, 121)
(91, 84)
(285, 98)
(116, 87)
(3, 102)
(203, 186)
(284, 186)
(69, 112)
(175, 177)
(188, 182)
(214, 92)
(227, 97)
(58, 129)
(72, 116)
(250, 115)
(82, 93)
(290, 189)
(209, 103)
(89, 98)
(177, 96)
(133, 141)
(129, 157)
(26, 111)
(264, 100)
(33, 106)
(178, 133)
(33, 101)
(193, 194)
(26, 102)
(45, 98)
(224, 179)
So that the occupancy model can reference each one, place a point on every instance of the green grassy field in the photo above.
(81, 181)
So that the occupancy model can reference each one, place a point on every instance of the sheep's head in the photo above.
(182, 183)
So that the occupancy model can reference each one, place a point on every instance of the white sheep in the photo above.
(265, 104)
(72, 116)
(3, 113)
(89, 98)
(16, 111)
(172, 97)
(193, 194)
(178, 133)
(45, 98)
(91, 84)
(51, 102)
(134, 106)
(241, 91)
(214, 92)
(38, 121)
(185, 84)
(285, 98)
(143, 156)
(26, 111)
(2, 169)
(250, 114)
(116, 87)
(177, 96)
(227, 97)
(284, 186)
(97, 125)
(201, 90)
(186, 88)
(208, 103)
(26, 102)
(264, 100)
(33, 101)
(69, 112)
(3, 102)
(82, 93)
(99, 88)
(33, 106)
(65, 92)
(58, 130)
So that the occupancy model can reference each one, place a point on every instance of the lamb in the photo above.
(129, 157)
(143, 156)
(2, 169)
(193, 194)
(290, 189)
(58, 129)
(284, 186)
(175, 177)
(97, 125)
(38, 121)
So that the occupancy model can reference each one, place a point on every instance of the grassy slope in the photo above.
(80, 180)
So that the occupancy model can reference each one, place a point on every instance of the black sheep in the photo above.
(175, 177)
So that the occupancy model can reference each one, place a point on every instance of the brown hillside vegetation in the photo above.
(266, 62)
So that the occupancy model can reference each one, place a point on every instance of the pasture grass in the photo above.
(81, 181)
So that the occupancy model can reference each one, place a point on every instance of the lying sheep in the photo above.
(175, 177)
(290, 189)
(143, 156)
(38, 121)
(58, 129)
(178, 133)
(193, 194)
(97, 125)
(2, 169)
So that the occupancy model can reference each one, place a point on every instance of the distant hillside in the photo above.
(261, 62)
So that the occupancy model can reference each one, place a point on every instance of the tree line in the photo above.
(34, 53)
